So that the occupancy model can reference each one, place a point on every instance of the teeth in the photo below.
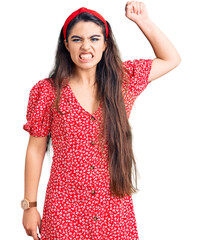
(86, 56)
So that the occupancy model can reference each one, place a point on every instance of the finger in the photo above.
(34, 235)
(127, 5)
(132, 10)
(28, 232)
(136, 7)
(128, 9)
(39, 226)
(141, 7)
(39, 237)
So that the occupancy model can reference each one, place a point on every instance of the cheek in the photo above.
(100, 51)
(73, 53)
(73, 48)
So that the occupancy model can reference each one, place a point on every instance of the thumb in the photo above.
(34, 235)
(39, 226)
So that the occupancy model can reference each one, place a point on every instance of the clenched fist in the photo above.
(136, 11)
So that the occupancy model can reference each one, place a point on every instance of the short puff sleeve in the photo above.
(137, 72)
(39, 109)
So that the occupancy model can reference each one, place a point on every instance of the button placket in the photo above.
(95, 218)
(92, 167)
(92, 142)
(92, 118)
(93, 192)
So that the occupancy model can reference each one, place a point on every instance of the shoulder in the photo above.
(46, 83)
(130, 66)
(44, 87)
(137, 63)
(137, 67)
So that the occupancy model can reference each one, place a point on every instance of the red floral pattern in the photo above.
(78, 203)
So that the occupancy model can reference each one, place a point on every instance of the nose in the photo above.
(85, 45)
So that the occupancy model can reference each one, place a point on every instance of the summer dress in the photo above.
(78, 203)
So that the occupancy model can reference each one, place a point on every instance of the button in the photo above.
(92, 167)
(93, 191)
(92, 118)
(95, 218)
(92, 142)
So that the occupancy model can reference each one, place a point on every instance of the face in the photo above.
(86, 44)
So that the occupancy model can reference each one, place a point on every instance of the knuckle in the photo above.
(29, 229)
(26, 227)
(32, 229)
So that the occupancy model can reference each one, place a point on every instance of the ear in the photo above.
(105, 45)
(66, 45)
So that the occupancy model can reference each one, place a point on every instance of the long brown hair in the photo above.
(116, 128)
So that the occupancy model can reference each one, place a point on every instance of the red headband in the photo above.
(77, 12)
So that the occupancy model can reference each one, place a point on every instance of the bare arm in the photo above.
(33, 164)
(167, 57)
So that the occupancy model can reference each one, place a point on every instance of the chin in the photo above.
(86, 65)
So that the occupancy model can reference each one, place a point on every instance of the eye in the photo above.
(94, 39)
(76, 40)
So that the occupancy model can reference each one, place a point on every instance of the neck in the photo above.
(84, 77)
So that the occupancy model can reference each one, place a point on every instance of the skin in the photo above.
(84, 77)
(85, 37)
(90, 39)
(33, 165)
(167, 58)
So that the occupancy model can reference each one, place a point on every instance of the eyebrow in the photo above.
(75, 36)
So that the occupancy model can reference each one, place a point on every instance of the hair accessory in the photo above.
(77, 12)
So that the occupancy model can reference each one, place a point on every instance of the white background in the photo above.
(166, 118)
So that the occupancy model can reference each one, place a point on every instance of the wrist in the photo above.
(26, 204)
(30, 209)
(144, 22)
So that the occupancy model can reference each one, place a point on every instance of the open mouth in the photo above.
(86, 56)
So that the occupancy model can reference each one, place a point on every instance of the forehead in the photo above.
(86, 29)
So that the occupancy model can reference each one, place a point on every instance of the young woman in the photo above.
(84, 106)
